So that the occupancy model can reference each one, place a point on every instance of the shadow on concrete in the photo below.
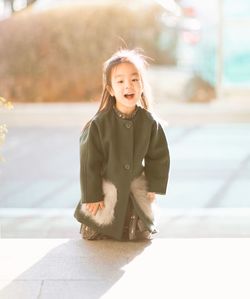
(74, 269)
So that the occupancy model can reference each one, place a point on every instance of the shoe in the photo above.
(144, 236)
(89, 233)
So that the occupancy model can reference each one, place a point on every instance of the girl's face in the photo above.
(126, 86)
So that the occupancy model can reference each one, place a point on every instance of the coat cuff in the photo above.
(92, 192)
(157, 186)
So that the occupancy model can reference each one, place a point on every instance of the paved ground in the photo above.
(165, 268)
(208, 197)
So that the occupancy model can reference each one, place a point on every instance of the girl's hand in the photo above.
(151, 196)
(93, 207)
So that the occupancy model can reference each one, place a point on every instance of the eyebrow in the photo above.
(130, 75)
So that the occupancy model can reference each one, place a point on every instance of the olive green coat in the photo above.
(121, 159)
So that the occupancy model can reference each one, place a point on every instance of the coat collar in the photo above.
(123, 115)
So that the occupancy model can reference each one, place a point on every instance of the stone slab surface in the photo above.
(162, 268)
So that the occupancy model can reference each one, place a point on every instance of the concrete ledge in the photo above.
(172, 223)
(76, 114)
(162, 268)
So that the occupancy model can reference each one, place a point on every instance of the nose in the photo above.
(128, 85)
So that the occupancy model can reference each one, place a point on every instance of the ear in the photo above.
(110, 90)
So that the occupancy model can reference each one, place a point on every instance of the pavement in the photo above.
(163, 268)
(202, 249)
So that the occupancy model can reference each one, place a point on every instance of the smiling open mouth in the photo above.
(129, 96)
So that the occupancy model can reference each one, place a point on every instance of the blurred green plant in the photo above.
(57, 55)
(3, 128)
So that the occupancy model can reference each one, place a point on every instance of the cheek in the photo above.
(116, 90)
(140, 86)
(113, 89)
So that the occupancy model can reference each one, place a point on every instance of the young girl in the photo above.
(124, 157)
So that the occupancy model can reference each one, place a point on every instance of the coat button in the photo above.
(128, 125)
(127, 166)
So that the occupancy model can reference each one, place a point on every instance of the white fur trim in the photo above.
(139, 190)
(106, 215)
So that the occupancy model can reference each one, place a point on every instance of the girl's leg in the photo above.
(134, 228)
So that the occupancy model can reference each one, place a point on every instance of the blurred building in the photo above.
(213, 43)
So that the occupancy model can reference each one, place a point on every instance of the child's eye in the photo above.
(120, 81)
(135, 79)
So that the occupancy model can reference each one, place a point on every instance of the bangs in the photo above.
(133, 57)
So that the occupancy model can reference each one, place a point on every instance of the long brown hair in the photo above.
(134, 57)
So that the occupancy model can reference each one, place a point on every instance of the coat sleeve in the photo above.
(91, 159)
(157, 161)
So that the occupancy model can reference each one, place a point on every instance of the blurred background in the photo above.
(44, 57)
(51, 56)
